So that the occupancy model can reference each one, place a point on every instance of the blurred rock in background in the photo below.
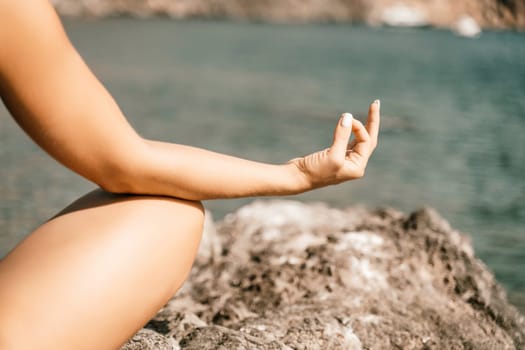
(498, 14)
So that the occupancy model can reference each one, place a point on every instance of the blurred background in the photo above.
(266, 80)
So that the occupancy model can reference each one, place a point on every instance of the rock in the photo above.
(148, 339)
(466, 26)
(445, 13)
(305, 276)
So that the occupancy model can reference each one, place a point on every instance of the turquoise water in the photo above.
(453, 117)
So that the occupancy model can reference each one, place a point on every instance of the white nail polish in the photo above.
(347, 120)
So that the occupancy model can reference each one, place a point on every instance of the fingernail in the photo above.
(378, 102)
(347, 120)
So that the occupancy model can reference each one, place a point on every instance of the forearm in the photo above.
(192, 173)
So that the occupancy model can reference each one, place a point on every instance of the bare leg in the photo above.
(95, 274)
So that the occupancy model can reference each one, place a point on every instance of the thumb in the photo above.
(342, 133)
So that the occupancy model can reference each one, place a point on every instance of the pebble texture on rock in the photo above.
(289, 275)
(440, 13)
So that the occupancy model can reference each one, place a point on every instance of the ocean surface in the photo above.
(453, 109)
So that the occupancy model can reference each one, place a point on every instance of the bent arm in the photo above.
(55, 98)
(58, 101)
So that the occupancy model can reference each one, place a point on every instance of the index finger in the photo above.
(372, 123)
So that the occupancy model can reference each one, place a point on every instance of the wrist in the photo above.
(297, 181)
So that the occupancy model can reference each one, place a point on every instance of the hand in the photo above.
(343, 161)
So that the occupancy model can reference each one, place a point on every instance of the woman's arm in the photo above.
(58, 101)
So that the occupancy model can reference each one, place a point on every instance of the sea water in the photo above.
(453, 117)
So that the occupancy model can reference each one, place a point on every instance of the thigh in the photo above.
(93, 275)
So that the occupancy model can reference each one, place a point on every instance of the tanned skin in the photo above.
(96, 273)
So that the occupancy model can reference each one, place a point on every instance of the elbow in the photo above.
(120, 172)
(116, 182)
(114, 179)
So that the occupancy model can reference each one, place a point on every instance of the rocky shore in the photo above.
(288, 275)
(455, 14)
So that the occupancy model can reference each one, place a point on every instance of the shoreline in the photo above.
(464, 17)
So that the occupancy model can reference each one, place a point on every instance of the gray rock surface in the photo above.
(289, 275)
(440, 13)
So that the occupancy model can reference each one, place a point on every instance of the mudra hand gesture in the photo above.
(343, 160)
